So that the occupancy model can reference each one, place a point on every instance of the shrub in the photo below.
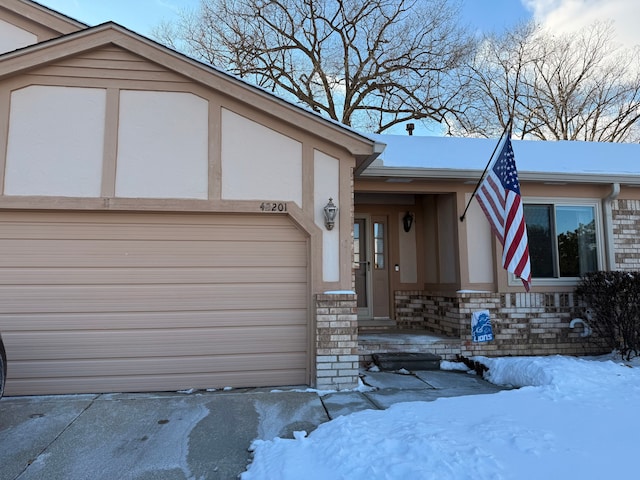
(613, 299)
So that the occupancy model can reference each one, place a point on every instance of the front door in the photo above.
(371, 266)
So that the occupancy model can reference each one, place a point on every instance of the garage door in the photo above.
(104, 302)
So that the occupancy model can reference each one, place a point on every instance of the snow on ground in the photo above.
(571, 418)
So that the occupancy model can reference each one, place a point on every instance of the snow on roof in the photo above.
(564, 158)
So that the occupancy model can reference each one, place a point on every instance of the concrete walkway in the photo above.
(201, 435)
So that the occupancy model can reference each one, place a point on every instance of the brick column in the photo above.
(336, 341)
(626, 229)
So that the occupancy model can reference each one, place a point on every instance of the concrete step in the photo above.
(384, 324)
(408, 361)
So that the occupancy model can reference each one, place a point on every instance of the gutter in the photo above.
(378, 148)
(472, 176)
(608, 225)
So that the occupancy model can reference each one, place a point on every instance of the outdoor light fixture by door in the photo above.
(407, 221)
(330, 212)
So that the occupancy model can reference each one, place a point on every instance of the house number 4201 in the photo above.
(273, 207)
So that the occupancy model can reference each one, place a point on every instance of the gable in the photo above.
(105, 120)
(110, 55)
(105, 66)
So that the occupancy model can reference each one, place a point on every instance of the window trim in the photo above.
(596, 203)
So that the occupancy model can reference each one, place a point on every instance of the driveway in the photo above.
(195, 435)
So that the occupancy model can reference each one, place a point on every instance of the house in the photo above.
(162, 225)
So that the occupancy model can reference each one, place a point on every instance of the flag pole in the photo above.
(506, 128)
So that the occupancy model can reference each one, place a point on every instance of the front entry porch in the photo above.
(440, 324)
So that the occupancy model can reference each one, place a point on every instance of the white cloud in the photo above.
(570, 15)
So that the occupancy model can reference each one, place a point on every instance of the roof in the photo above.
(465, 158)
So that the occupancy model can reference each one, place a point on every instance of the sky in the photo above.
(482, 15)
(570, 418)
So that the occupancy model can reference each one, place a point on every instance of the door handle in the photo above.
(367, 263)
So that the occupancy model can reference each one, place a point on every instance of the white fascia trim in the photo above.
(450, 174)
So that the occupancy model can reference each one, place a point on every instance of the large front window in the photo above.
(562, 239)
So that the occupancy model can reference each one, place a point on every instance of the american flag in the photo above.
(499, 198)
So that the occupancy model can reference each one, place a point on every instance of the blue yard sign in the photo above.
(481, 330)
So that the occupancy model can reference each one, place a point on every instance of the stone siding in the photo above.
(337, 358)
(523, 323)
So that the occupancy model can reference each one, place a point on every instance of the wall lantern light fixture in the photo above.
(407, 221)
(330, 212)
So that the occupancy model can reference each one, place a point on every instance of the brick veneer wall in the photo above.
(523, 323)
(337, 358)
(416, 310)
(626, 233)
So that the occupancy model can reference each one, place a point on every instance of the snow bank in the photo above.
(558, 372)
(575, 418)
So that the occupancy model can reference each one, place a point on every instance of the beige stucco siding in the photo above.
(55, 141)
(162, 145)
(96, 302)
(408, 254)
(258, 162)
(446, 238)
(479, 244)
(13, 37)
(326, 184)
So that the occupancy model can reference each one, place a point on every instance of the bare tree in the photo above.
(365, 63)
(564, 87)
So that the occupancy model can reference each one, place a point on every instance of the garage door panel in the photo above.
(111, 367)
(134, 344)
(97, 302)
(102, 253)
(142, 298)
(160, 232)
(140, 221)
(151, 275)
(149, 383)
(52, 322)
